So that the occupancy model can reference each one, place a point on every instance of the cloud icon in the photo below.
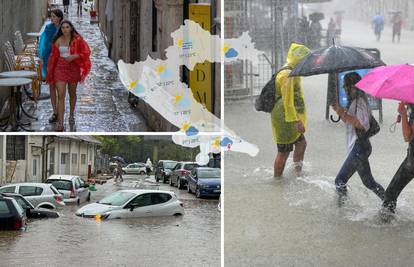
(231, 53)
(191, 131)
(139, 89)
(184, 103)
(226, 141)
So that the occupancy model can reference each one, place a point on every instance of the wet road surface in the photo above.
(189, 240)
(102, 101)
(296, 220)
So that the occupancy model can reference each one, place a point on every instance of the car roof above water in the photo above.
(62, 177)
(143, 191)
(28, 184)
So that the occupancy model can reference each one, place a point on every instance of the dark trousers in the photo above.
(357, 161)
(401, 178)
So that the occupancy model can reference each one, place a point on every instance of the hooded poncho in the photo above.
(290, 104)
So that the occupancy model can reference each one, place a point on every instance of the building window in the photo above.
(15, 147)
(74, 158)
(154, 28)
(52, 161)
(64, 158)
(34, 167)
(83, 159)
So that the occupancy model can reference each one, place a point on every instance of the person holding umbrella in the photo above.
(405, 172)
(357, 116)
(396, 82)
(289, 113)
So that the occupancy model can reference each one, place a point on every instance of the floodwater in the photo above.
(296, 221)
(189, 240)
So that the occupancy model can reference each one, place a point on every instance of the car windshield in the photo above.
(170, 164)
(117, 198)
(209, 174)
(61, 184)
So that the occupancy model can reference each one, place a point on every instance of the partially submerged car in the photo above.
(31, 211)
(38, 194)
(204, 182)
(72, 187)
(134, 203)
(12, 216)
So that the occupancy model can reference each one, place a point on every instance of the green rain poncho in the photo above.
(290, 104)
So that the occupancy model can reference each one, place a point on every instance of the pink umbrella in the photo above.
(391, 82)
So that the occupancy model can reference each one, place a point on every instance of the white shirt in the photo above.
(64, 51)
(358, 108)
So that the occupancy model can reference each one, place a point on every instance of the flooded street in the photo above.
(296, 221)
(102, 101)
(189, 240)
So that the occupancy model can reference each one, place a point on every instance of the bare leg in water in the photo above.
(299, 154)
(280, 163)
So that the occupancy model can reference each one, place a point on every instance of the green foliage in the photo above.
(134, 149)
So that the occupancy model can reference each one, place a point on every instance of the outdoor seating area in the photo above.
(22, 76)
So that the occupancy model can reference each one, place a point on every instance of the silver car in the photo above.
(38, 194)
(73, 188)
(134, 168)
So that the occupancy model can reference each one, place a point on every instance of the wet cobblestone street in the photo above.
(102, 103)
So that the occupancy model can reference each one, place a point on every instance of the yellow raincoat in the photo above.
(290, 104)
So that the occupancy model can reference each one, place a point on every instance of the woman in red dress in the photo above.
(68, 65)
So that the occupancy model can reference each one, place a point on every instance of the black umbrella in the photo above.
(335, 59)
(118, 158)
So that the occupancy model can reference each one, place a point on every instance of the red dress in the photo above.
(59, 69)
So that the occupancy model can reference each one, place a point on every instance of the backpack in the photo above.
(267, 98)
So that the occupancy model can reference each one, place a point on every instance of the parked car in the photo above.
(32, 212)
(163, 170)
(39, 194)
(73, 188)
(134, 203)
(134, 168)
(179, 174)
(12, 216)
(204, 181)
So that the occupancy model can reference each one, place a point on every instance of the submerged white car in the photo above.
(133, 204)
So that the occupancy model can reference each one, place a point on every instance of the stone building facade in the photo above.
(136, 29)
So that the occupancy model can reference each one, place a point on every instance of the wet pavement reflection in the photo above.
(189, 240)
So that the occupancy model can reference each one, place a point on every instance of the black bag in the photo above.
(267, 99)
(374, 127)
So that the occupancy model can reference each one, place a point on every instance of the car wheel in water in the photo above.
(178, 183)
(198, 193)
(124, 172)
(142, 173)
(163, 179)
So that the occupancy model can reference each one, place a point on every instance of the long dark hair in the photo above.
(58, 13)
(74, 33)
(350, 79)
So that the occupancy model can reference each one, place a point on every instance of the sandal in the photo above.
(59, 127)
(72, 120)
(53, 118)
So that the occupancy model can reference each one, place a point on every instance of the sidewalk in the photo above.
(102, 104)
